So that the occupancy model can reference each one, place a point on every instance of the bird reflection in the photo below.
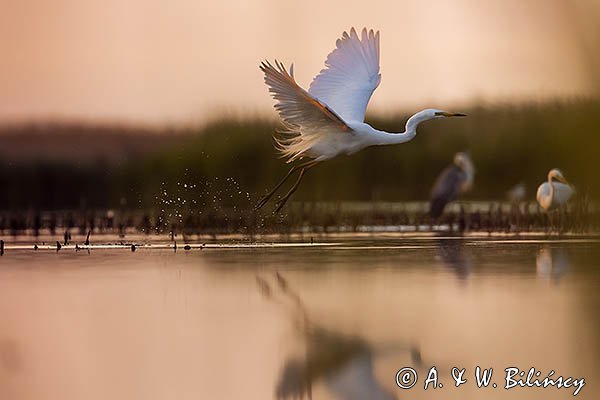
(452, 253)
(552, 263)
(343, 362)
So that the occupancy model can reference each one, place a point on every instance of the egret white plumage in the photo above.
(328, 120)
(455, 179)
(554, 193)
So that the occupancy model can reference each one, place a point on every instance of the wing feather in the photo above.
(351, 75)
(294, 104)
(306, 119)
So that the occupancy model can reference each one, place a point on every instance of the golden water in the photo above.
(158, 324)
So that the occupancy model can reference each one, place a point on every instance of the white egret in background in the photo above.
(516, 194)
(554, 193)
(328, 119)
(455, 179)
(552, 263)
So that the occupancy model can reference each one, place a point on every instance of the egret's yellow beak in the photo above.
(562, 179)
(449, 114)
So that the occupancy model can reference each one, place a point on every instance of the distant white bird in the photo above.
(328, 119)
(455, 179)
(554, 193)
(516, 194)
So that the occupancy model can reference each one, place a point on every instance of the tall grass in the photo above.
(230, 163)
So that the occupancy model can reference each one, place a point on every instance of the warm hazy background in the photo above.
(149, 61)
(106, 103)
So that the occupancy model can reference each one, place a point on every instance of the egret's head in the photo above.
(427, 114)
(556, 174)
(463, 161)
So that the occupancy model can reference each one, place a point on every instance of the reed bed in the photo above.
(304, 217)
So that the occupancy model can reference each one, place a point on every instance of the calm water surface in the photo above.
(338, 322)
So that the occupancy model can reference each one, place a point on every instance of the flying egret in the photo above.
(328, 119)
(554, 193)
(455, 179)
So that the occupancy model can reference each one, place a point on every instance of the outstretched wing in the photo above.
(351, 75)
(294, 104)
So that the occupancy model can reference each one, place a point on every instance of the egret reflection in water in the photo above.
(552, 263)
(344, 363)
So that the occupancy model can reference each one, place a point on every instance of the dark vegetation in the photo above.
(213, 175)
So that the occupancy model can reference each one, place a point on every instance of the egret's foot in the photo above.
(262, 202)
(279, 205)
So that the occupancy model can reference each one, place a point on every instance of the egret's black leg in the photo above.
(279, 205)
(266, 197)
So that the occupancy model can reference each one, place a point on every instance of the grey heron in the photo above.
(455, 179)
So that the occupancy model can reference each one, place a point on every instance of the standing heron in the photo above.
(328, 119)
(455, 179)
(554, 193)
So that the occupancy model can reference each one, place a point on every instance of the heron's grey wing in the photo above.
(446, 189)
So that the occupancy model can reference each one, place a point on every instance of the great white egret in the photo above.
(328, 119)
(455, 179)
(554, 193)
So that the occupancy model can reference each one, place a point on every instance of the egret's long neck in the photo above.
(551, 187)
(470, 173)
(385, 138)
